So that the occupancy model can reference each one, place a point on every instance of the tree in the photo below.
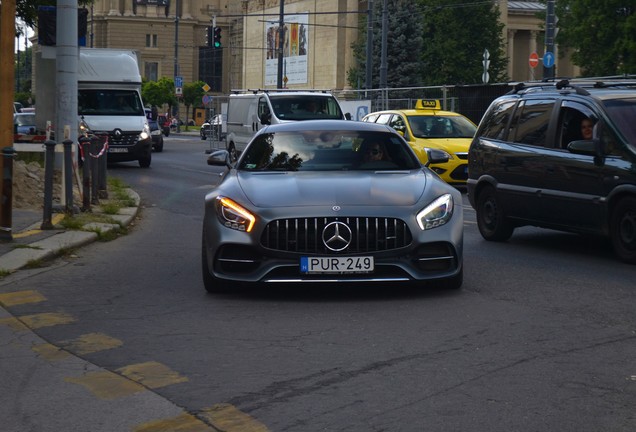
(404, 45)
(456, 32)
(192, 94)
(159, 92)
(602, 34)
(27, 10)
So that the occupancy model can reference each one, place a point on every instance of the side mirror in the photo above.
(436, 156)
(220, 158)
(348, 116)
(593, 147)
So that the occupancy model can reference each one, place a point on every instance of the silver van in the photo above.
(247, 112)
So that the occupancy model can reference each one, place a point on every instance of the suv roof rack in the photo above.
(579, 85)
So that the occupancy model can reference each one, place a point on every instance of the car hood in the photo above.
(109, 123)
(450, 145)
(355, 188)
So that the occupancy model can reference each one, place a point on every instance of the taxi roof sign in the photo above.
(428, 104)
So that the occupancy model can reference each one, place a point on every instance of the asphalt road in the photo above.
(542, 337)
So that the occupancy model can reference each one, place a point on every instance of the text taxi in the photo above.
(428, 127)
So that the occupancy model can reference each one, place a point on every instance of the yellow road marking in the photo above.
(55, 219)
(14, 323)
(50, 352)
(20, 297)
(228, 418)
(181, 423)
(46, 319)
(152, 374)
(106, 385)
(90, 343)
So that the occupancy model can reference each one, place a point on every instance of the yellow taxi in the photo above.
(428, 127)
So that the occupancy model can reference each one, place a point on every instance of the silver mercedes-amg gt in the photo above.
(330, 201)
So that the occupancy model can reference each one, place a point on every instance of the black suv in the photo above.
(533, 162)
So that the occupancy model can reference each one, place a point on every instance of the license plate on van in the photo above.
(117, 150)
(342, 265)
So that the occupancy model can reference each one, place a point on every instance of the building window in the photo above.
(151, 41)
(151, 70)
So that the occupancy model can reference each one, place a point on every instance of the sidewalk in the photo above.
(31, 244)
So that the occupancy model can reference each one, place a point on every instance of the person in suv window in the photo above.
(587, 129)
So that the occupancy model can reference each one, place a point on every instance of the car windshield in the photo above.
(439, 126)
(303, 107)
(25, 120)
(623, 113)
(110, 102)
(331, 150)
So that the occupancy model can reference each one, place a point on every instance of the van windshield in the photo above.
(303, 107)
(110, 102)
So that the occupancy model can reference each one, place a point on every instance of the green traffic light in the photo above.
(217, 44)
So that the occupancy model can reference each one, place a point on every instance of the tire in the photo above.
(492, 222)
(623, 230)
(166, 131)
(144, 162)
(211, 283)
(453, 283)
(203, 137)
(159, 147)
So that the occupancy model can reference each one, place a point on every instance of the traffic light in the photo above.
(209, 35)
(217, 37)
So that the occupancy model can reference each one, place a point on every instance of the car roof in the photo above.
(323, 125)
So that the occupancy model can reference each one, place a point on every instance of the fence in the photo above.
(470, 100)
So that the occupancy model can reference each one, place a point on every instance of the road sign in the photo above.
(548, 59)
(206, 87)
(534, 60)
(178, 91)
(178, 81)
(206, 99)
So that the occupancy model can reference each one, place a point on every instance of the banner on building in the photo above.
(295, 46)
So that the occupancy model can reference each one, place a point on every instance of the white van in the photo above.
(247, 112)
(109, 100)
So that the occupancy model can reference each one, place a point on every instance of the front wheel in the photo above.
(491, 220)
(144, 162)
(623, 230)
(211, 283)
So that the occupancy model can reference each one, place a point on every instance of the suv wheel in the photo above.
(493, 224)
(623, 230)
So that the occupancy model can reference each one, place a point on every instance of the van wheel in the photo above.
(145, 162)
(493, 224)
(233, 154)
(623, 230)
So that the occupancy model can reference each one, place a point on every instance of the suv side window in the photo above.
(531, 121)
(497, 122)
(571, 116)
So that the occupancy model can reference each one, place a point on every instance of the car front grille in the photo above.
(305, 235)
(123, 139)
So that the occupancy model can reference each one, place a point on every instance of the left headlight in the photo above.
(145, 133)
(233, 215)
(436, 213)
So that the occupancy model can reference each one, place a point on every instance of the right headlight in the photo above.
(84, 130)
(436, 213)
(233, 215)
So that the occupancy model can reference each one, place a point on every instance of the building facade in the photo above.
(170, 37)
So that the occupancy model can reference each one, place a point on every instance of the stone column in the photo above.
(114, 8)
(128, 8)
(511, 53)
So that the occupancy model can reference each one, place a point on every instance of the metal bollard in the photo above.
(6, 221)
(85, 143)
(68, 176)
(102, 163)
(49, 161)
(92, 161)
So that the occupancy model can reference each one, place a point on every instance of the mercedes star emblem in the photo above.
(336, 236)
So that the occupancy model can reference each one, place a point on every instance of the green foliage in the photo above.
(404, 45)
(456, 32)
(158, 92)
(192, 94)
(602, 34)
(433, 42)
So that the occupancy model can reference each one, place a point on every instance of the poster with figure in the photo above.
(295, 37)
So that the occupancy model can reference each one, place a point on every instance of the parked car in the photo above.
(24, 123)
(530, 162)
(215, 125)
(317, 201)
(429, 127)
